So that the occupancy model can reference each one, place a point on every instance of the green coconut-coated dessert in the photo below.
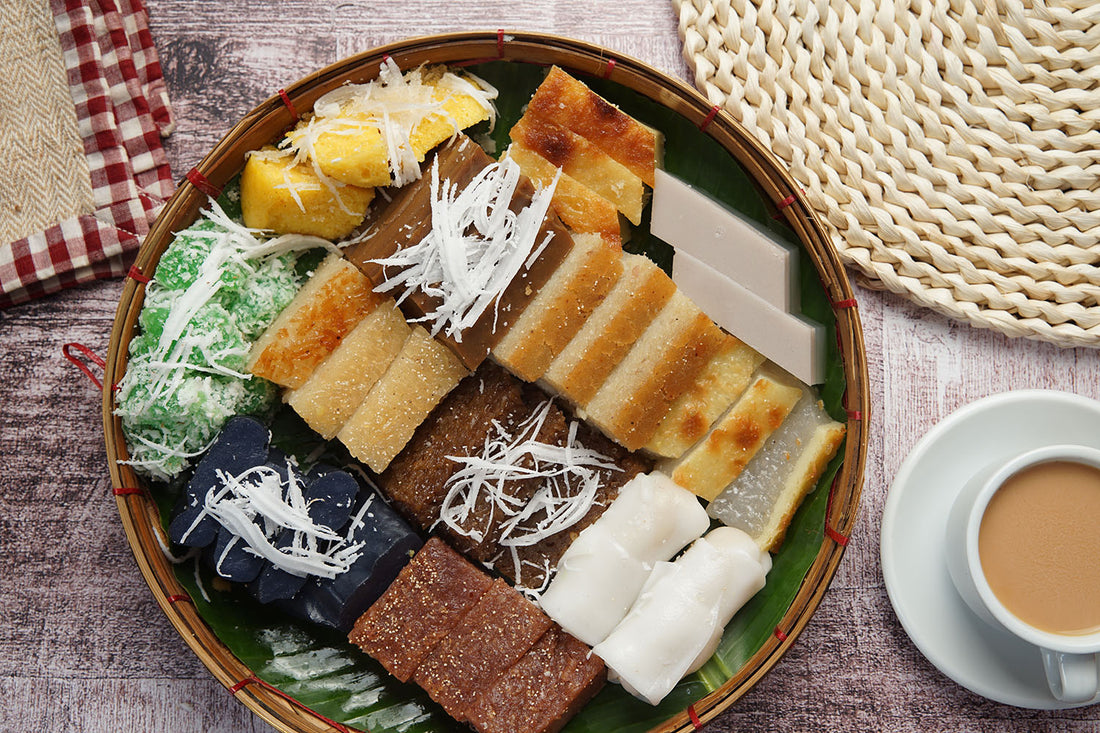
(215, 290)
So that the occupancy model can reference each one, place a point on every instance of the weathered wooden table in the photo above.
(83, 646)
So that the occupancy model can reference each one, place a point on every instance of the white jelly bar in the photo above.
(694, 223)
(793, 342)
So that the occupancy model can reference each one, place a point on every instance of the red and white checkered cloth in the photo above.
(122, 111)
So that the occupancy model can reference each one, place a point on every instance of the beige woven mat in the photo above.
(952, 146)
(44, 176)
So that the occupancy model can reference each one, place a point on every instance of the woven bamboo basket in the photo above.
(139, 513)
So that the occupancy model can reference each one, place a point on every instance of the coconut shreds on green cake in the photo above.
(216, 289)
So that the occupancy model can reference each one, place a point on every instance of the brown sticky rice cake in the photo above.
(431, 595)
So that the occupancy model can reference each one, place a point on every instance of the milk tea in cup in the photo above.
(1023, 549)
(1039, 545)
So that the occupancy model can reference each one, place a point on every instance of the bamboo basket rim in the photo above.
(139, 514)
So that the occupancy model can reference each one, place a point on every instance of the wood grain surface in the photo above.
(83, 647)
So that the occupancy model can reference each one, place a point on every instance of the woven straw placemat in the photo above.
(45, 177)
(952, 146)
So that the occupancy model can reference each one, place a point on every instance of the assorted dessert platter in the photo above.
(430, 402)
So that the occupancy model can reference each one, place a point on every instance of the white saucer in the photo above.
(984, 660)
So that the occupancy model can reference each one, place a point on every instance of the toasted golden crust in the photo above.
(611, 330)
(327, 307)
(580, 208)
(811, 463)
(584, 161)
(560, 308)
(564, 100)
(659, 367)
(722, 381)
(717, 460)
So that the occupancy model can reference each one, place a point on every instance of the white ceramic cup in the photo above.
(1071, 661)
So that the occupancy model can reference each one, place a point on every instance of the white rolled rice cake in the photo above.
(678, 620)
(600, 575)
(762, 499)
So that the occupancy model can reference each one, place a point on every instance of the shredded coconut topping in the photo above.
(569, 476)
(476, 246)
(258, 505)
(394, 104)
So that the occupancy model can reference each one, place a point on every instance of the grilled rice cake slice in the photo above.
(568, 102)
(583, 161)
(722, 381)
(491, 637)
(416, 480)
(580, 208)
(716, 460)
(608, 334)
(406, 219)
(310, 328)
(543, 690)
(340, 383)
(417, 379)
(661, 365)
(560, 308)
(430, 596)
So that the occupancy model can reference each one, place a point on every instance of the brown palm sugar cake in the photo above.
(489, 639)
(416, 479)
(430, 596)
(543, 690)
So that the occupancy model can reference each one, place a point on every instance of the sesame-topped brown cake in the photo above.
(489, 639)
(543, 690)
(430, 596)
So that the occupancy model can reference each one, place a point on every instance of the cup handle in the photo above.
(1072, 677)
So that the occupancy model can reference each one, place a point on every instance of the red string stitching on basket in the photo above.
(67, 352)
(846, 303)
(127, 490)
(256, 680)
(694, 718)
(500, 43)
(201, 182)
(179, 597)
(609, 68)
(135, 273)
(834, 535)
(709, 118)
(289, 104)
(780, 634)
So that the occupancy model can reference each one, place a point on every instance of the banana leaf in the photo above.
(324, 672)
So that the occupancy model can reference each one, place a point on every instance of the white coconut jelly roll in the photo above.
(600, 575)
(678, 619)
